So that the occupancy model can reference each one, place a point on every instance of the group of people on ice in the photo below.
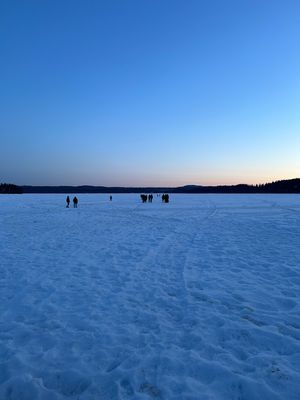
(149, 198)
(144, 197)
(75, 202)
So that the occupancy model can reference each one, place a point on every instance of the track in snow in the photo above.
(197, 299)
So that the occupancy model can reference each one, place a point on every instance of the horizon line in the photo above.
(162, 186)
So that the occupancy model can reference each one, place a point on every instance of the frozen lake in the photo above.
(197, 299)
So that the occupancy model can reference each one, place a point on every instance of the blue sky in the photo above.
(149, 92)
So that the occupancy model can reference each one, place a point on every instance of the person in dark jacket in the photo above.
(75, 202)
(68, 201)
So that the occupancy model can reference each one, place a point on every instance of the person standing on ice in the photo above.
(68, 201)
(75, 202)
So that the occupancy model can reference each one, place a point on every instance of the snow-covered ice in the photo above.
(196, 299)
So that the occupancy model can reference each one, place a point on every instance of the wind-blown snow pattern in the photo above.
(196, 299)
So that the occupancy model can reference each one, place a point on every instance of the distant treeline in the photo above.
(284, 186)
(8, 188)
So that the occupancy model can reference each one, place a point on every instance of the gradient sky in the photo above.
(149, 92)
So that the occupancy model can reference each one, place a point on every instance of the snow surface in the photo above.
(196, 299)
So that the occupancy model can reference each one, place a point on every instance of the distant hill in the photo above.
(284, 186)
(8, 188)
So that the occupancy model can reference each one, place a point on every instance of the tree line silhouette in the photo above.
(8, 188)
(281, 186)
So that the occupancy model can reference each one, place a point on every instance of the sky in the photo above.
(149, 92)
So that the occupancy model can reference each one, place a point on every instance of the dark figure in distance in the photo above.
(75, 202)
(144, 198)
(165, 198)
(68, 201)
(110, 198)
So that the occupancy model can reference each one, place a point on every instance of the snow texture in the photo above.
(197, 299)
